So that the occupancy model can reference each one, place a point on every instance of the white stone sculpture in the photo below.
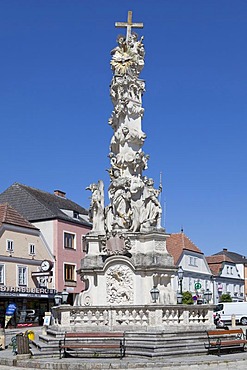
(134, 203)
(119, 284)
(96, 210)
(125, 254)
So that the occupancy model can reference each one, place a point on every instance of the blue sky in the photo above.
(55, 105)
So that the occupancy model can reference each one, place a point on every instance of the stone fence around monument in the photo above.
(170, 318)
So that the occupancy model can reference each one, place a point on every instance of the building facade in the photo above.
(22, 282)
(62, 224)
(197, 274)
(228, 275)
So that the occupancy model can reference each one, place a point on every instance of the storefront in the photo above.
(31, 305)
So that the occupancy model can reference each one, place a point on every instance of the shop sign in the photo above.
(20, 291)
(198, 286)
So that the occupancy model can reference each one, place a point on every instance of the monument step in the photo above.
(43, 347)
(199, 351)
(46, 339)
(137, 344)
(55, 333)
(164, 339)
(175, 347)
(44, 354)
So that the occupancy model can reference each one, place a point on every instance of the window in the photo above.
(69, 240)
(76, 214)
(193, 261)
(9, 245)
(69, 272)
(1, 274)
(22, 276)
(31, 249)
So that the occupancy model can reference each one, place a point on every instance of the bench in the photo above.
(92, 344)
(225, 339)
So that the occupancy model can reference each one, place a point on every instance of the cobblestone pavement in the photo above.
(239, 365)
(236, 361)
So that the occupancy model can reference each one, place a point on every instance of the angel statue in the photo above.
(96, 209)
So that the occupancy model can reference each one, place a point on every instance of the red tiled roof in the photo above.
(215, 262)
(9, 215)
(178, 242)
(218, 258)
(215, 268)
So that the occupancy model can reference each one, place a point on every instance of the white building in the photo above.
(228, 276)
(197, 274)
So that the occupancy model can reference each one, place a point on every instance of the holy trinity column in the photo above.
(125, 253)
(134, 202)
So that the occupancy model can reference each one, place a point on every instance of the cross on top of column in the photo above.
(128, 25)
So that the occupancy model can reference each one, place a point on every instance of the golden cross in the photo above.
(128, 25)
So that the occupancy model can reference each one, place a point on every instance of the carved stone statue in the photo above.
(119, 280)
(134, 204)
(151, 207)
(96, 210)
(125, 254)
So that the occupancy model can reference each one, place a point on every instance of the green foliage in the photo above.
(187, 298)
(225, 298)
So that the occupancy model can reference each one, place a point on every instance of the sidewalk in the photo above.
(236, 361)
(212, 362)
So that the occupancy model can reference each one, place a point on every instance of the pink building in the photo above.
(62, 224)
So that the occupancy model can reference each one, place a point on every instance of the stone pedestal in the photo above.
(126, 273)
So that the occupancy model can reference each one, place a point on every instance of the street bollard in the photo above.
(2, 339)
(233, 321)
(22, 342)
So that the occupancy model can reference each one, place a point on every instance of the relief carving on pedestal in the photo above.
(160, 246)
(119, 285)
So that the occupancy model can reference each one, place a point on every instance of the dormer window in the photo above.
(9, 245)
(193, 261)
(75, 214)
(31, 249)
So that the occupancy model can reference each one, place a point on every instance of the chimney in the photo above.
(60, 193)
(224, 249)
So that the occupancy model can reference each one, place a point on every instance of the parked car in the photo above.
(226, 310)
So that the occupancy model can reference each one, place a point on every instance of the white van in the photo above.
(227, 309)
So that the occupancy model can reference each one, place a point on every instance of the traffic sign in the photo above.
(198, 286)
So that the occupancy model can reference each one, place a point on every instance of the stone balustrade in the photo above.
(145, 318)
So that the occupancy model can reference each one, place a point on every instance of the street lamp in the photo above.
(64, 296)
(208, 295)
(180, 280)
(58, 299)
(154, 293)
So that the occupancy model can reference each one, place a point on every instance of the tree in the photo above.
(225, 298)
(187, 298)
